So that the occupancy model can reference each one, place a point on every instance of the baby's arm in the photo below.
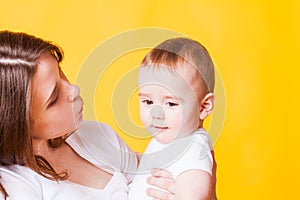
(193, 184)
(214, 178)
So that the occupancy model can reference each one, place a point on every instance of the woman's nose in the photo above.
(157, 112)
(74, 93)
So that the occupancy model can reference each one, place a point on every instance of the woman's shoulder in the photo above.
(98, 143)
(17, 172)
(94, 133)
(22, 181)
(94, 126)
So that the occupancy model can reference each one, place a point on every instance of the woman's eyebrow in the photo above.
(51, 95)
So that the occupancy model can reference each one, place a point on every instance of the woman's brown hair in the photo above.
(19, 54)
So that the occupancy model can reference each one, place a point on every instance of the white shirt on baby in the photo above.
(97, 143)
(191, 152)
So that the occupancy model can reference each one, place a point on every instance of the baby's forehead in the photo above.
(184, 72)
(164, 77)
(183, 79)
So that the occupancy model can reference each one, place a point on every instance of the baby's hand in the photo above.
(164, 183)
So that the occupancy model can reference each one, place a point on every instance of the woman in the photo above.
(46, 150)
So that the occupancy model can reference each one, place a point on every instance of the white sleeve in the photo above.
(99, 144)
(196, 156)
(17, 187)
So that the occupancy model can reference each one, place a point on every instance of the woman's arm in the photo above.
(138, 156)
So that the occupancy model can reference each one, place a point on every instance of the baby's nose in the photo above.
(157, 112)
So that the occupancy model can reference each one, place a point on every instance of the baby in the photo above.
(176, 83)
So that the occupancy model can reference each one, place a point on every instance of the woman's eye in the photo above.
(54, 98)
(53, 101)
(171, 104)
(148, 102)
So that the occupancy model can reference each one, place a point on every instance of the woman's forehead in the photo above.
(45, 78)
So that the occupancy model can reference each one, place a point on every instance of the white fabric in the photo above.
(191, 152)
(97, 143)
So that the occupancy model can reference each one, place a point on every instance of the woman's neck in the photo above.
(41, 147)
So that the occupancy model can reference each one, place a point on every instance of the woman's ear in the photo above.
(206, 106)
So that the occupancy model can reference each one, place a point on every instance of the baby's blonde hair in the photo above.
(179, 54)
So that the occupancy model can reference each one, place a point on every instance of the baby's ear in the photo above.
(206, 106)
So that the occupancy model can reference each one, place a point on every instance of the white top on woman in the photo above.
(95, 142)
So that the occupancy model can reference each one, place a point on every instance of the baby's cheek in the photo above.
(144, 117)
(175, 117)
(144, 122)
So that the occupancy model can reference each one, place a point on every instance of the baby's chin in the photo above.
(164, 138)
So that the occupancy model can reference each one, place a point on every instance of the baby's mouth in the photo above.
(160, 127)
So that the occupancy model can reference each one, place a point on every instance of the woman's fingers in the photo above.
(162, 179)
(162, 173)
(164, 185)
(159, 194)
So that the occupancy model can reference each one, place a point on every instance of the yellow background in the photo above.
(255, 45)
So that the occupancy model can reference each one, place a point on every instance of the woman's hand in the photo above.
(164, 185)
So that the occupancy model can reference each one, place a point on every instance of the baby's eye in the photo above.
(171, 104)
(147, 101)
